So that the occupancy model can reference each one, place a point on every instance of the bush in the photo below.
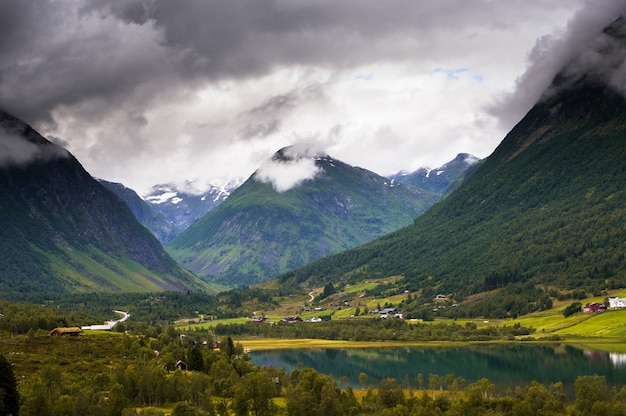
(572, 309)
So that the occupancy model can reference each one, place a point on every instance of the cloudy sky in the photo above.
(155, 91)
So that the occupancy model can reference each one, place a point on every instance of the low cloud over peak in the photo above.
(289, 167)
(19, 145)
(582, 48)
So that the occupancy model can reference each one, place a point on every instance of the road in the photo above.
(108, 325)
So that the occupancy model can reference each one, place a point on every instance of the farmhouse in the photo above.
(594, 307)
(291, 319)
(65, 332)
(615, 302)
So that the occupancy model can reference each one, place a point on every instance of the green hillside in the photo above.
(153, 220)
(61, 231)
(258, 232)
(547, 207)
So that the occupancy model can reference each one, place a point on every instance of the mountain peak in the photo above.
(257, 233)
(20, 144)
(296, 152)
(60, 230)
(599, 64)
(290, 166)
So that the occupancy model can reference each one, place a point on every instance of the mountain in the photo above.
(182, 207)
(156, 222)
(438, 180)
(61, 231)
(259, 232)
(544, 214)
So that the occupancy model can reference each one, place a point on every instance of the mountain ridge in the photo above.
(545, 208)
(62, 231)
(258, 232)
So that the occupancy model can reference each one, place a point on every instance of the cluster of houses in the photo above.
(287, 320)
(291, 319)
(613, 302)
(387, 313)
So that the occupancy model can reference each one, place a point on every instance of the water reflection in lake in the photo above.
(505, 366)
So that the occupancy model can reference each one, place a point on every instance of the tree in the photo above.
(363, 380)
(227, 346)
(254, 393)
(433, 382)
(420, 381)
(589, 390)
(390, 394)
(572, 309)
(9, 399)
(195, 361)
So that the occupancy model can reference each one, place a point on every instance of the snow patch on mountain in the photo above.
(161, 198)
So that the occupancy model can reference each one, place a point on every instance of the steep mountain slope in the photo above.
(440, 179)
(154, 221)
(258, 232)
(62, 231)
(548, 206)
(182, 207)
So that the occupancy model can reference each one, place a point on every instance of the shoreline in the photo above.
(270, 344)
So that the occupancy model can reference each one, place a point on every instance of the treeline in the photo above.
(111, 375)
(374, 330)
(20, 318)
(146, 309)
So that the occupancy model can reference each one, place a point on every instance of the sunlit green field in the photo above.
(606, 324)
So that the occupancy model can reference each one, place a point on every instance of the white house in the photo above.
(615, 302)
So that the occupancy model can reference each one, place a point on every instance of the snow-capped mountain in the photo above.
(438, 180)
(182, 205)
(293, 210)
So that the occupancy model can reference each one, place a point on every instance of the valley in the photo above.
(255, 299)
(138, 350)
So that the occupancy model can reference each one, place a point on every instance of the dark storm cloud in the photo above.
(245, 38)
(578, 50)
(54, 55)
(143, 91)
(61, 53)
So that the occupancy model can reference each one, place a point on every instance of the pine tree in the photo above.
(9, 399)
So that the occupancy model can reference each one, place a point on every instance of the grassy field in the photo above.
(606, 329)
(265, 344)
(609, 324)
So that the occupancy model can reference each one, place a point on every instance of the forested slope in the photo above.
(548, 206)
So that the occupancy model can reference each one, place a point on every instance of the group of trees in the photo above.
(225, 383)
(375, 330)
(144, 373)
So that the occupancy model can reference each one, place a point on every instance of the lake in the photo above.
(506, 366)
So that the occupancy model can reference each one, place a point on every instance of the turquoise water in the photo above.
(505, 366)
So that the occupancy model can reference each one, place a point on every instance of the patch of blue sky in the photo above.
(478, 78)
(365, 77)
(456, 74)
(452, 74)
